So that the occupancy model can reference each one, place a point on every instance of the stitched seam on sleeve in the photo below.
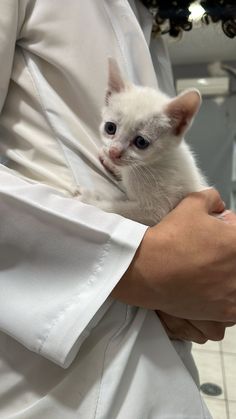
(74, 300)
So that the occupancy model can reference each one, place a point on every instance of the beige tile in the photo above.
(210, 369)
(217, 408)
(230, 375)
(208, 346)
(232, 410)
(229, 342)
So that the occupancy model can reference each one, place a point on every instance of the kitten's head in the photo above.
(140, 123)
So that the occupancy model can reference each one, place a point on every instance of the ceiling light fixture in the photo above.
(197, 11)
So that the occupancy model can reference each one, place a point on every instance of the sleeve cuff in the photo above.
(81, 314)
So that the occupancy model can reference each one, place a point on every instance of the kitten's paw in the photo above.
(109, 166)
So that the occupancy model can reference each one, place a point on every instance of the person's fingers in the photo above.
(212, 330)
(210, 200)
(228, 216)
(198, 331)
(181, 329)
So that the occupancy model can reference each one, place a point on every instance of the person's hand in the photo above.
(199, 331)
(228, 217)
(186, 265)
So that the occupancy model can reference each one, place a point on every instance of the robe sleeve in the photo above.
(59, 258)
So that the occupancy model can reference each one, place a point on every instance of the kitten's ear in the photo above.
(115, 81)
(182, 109)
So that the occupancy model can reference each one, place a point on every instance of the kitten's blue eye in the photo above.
(141, 142)
(110, 128)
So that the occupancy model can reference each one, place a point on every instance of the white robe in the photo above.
(66, 349)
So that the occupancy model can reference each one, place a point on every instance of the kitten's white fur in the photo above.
(157, 178)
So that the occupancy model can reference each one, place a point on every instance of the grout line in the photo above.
(207, 350)
(215, 399)
(214, 351)
(224, 381)
(229, 353)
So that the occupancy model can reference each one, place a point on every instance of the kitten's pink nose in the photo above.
(115, 153)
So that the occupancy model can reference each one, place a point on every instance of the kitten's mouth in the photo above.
(106, 160)
(110, 167)
(117, 162)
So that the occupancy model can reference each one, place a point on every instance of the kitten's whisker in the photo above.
(144, 174)
(145, 171)
(152, 179)
(136, 172)
(141, 173)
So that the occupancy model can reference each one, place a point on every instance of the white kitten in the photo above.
(142, 132)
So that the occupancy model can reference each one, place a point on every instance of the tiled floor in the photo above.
(216, 363)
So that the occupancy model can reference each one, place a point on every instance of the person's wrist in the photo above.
(138, 284)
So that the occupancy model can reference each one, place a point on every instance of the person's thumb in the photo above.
(210, 200)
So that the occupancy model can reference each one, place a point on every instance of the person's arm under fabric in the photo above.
(59, 258)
